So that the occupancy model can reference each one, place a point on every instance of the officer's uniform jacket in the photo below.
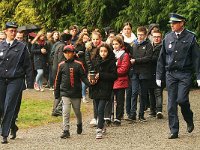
(15, 61)
(179, 54)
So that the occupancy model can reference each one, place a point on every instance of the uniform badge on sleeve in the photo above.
(170, 45)
(1, 53)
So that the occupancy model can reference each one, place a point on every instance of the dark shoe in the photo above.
(131, 118)
(117, 123)
(173, 136)
(190, 127)
(152, 114)
(142, 119)
(65, 134)
(13, 132)
(4, 140)
(79, 128)
(108, 122)
(159, 115)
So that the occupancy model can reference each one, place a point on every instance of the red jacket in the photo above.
(123, 64)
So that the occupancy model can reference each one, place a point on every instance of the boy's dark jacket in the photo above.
(68, 79)
(142, 53)
(107, 75)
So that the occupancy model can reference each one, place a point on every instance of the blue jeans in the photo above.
(134, 96)
(39, 77)
(84, 87)
(139, 86)
(100, 107)
(50, 76)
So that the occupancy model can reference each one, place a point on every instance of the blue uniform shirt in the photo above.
(179, 54)
(15, 61)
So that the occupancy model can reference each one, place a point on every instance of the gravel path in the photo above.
(150, 135)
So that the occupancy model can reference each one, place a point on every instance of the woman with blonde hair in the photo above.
(39, 51)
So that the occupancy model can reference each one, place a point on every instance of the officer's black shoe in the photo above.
(79, 128)
(190, 127)
(13, 132)
(4, 140)
(173, 136)
(65, 134)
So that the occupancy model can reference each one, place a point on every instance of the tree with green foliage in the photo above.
(94, 13)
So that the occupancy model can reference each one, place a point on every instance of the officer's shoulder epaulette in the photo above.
(191, 32)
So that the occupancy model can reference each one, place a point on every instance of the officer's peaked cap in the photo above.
(173, 17)
(11, 25)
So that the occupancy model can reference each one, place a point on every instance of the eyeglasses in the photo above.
(12, 31)
(2, 39)
(156, 37)
(140, 34)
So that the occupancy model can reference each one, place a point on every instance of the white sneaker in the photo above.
(51, 89)
(104, 130)
(93, 122)
(99, 134)
(85, 100)
(41, 90)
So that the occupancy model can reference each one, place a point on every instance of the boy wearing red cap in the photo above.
(68, 86)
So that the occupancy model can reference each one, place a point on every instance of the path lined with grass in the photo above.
(139, 136)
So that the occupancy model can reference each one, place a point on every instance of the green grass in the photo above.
(37, 112)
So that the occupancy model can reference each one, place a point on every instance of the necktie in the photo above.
(8, 44)
(178, 35)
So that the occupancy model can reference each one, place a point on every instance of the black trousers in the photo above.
(17, 109)
(120, 98)
(178, 85)
(10, 90)
(156, 99)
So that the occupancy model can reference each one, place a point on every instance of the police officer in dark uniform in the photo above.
(180, 53)
(15, 64)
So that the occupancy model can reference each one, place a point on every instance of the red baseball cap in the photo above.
(69, 48)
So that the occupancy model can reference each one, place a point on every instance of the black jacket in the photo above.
(154, 59)
(107, 75)
(40, 59)
(68, 79)
(142, 54)
(179, 54)
(15, 62)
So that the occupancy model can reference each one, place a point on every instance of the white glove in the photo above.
(198, 82)
(158, 82)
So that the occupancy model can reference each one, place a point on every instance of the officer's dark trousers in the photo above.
(9, 93)
(178, 86)
(17, 109)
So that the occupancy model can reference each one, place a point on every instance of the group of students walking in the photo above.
(115, 71)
